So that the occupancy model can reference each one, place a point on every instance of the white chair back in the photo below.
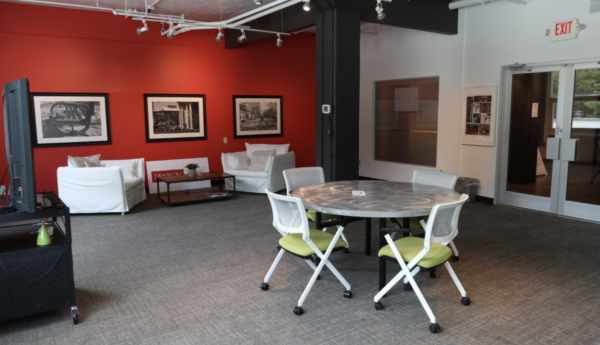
(300, 177)
(435, 178)
(289, 215)
(442, 225)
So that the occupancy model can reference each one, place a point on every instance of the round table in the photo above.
(382, 199)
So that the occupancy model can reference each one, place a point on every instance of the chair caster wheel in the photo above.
(408, 287)
(432, 274)
(435, 328)
(454, 258)
(378, 306)
(346, 250)
(264, 286)
(465, 301)
(298, 311)
(348, 294)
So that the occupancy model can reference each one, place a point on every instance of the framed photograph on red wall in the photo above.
(175, 117)
(70, 119)
(257, 116)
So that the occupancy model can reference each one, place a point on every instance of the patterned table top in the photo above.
(383, 199)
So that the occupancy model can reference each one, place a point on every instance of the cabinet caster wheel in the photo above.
(378, 306)
(435, 328)
(465, 301)
(264, 286)
(348, 294)
(432, 274)
(75, 316)
(298, 311)
(454, 258)
(408, 287)
(346, 250)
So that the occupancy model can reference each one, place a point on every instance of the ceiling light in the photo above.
(242, 37)
(219, 37)
(258, 2)
(306, 5)
(278, 45)
(171, 32)
(144, 29)
(379, 9)
(114, 11)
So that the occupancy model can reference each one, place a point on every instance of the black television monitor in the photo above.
(19, 152)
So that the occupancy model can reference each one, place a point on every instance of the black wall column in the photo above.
(338, 78)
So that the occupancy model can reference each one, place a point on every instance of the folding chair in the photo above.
(299, 240)
(415, 254)
(300, 177)
(432, 178)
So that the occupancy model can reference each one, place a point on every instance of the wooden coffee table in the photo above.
(195, 195)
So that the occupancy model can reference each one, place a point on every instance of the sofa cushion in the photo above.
(129, 184)
(80, 162)
(259, 160)
(238, 162)
(279, 149)
(248, 173)
(129, 167)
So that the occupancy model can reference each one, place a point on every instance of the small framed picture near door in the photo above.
(479, 116)
(175, 117)
(70, 119)
(257, 116)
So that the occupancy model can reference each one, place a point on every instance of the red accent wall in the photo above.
(66, 50)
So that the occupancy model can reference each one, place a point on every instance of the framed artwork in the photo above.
(257, 116)
(479, 116)
(175, 117)
(70, 119)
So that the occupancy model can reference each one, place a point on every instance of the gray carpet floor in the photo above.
(191, 275)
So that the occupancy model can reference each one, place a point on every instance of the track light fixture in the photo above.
(278, 44)
(379, 9)
(242, 37)
(171, 32)
(258, 2)
(306, 5)
(144, 29)
(219, 37)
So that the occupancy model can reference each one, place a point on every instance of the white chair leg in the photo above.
(412, 273)
(311, 264)
(454, 250)
(272, 269)
(416, 289)
(389, 285)
(455, 279)
(324, 260)
(122, 213)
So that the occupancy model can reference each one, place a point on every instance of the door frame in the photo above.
(544, 204)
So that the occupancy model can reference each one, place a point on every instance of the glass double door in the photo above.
(551, 138)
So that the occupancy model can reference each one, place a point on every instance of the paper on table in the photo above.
(358, 193)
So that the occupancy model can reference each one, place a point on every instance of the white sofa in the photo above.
(257, 181)
(115, 186)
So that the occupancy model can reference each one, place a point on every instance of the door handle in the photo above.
(553, 148)
(570, 150)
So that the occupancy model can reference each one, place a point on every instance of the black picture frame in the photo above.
(257, 116)
(70, 119)
(175, 117)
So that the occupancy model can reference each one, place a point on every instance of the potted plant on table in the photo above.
(191, 167)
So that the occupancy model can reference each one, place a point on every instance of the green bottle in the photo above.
(43, 238)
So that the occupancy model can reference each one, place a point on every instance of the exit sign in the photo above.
(565, 30)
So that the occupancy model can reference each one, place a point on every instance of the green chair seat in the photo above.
(294, 243)
(409, 247)
(414, 222)
(312, 215)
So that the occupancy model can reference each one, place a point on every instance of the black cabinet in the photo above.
(35, 279)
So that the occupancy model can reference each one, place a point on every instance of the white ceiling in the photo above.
(198, 10)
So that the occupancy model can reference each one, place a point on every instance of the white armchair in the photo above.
(115, 186)
(257, 181)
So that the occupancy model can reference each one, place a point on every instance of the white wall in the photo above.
(490, 36)
(397, 53)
